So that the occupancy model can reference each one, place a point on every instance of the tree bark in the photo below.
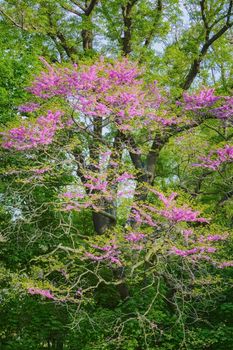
(87, 39)
(127, 31)
(102, 223)
(126, 40)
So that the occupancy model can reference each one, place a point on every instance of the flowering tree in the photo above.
(106, 124)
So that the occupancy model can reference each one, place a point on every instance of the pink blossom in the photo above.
(216, 158)
(134, 236)
(73, 195)
(45, 293)
(34, 135)
(210, 250)
(124, 177)
(187, 233)
(183, 253)
(79, 292)
(104, 90)
(96, 183)
(225, 111)
(125, 193)
(205, 98)
(28, 107)
(137, 247)
(41, 170)
(78, 206)
(213, 238)
(225, 264)
(173, 213)
(182, 214)
(124, 127)
(166, 201)
(192, 251)
(142, 217)
(111, 254)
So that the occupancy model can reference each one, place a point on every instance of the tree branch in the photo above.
(91, 6)
(77, 3)
(158, 15)
(55, 33)
(68, 8)
(21, 26)
(204, 19)
(195, 67)
(127, 20)
(107, 215)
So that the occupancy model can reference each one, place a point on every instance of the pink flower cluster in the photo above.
(48, 84)
(225, 264)
(34, 135)
(124, 177)
(123, 74)
(104, 90)
(167, 201)
(166, 121)
(205, 98)
(44, 292)
(134, 236)
(199, 252)
(141, 217)
(71, 195)
(73, 204)
(225, 111)
(196, 250)
(40, 171)
(173, 213)
(78, 201)
(111, 254)
(78, 206)
(28, 107)
(95, 183)
(187, 233)
(182, 214)
(125, 193)
(216, 158)
(213, 238)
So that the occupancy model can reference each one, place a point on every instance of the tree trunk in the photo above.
(127, 37)
(194, 70)
(87, 38)
(59, 345)
(102, 223)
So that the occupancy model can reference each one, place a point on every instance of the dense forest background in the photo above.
(56, 291)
